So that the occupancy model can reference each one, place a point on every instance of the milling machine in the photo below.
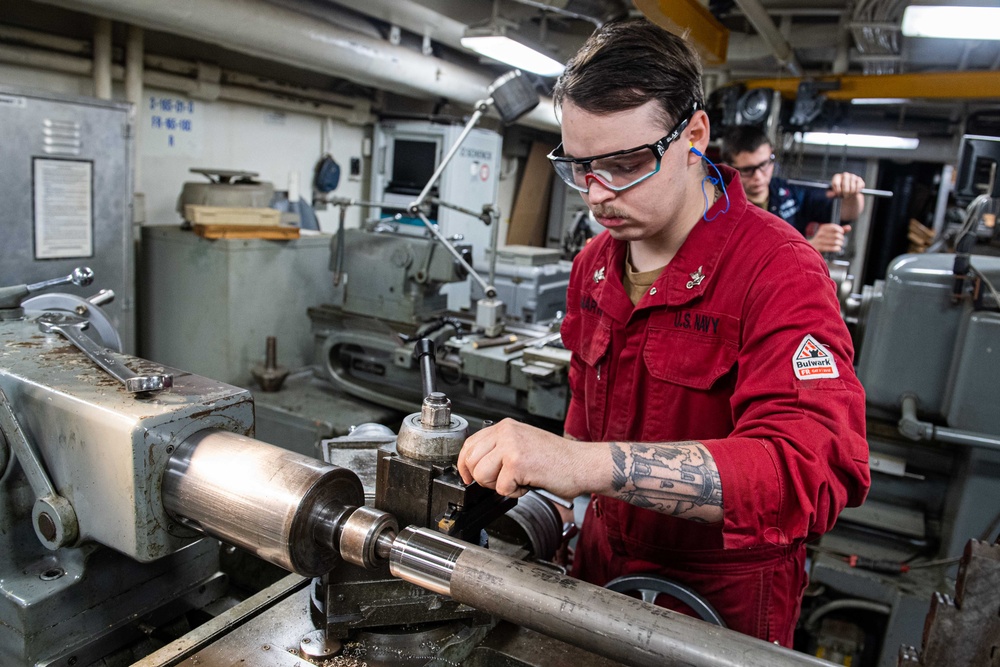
(114, 469)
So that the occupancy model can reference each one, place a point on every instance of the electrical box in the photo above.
(66, 187)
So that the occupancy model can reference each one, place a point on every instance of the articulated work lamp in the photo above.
(512, 95)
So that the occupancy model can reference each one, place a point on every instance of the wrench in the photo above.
(71, 328)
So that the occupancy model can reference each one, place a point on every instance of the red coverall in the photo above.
(707, 355)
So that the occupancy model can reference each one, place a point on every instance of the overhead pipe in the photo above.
(34, 38)
(133, 89)
(257, 28)
(67, 64)
(56, 62)
(102, 59)
(762, 23)
(411, 16)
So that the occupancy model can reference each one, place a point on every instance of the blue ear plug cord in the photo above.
(714, 180)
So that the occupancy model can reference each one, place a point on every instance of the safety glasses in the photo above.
(619, 170)
(748, 171)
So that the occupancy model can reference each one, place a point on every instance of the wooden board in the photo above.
(231, 215)
(530, 216)
(271, 233)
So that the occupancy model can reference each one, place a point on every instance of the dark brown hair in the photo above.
(742, 139)
(626, 64)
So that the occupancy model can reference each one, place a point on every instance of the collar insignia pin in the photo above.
(696, 279)
(599, 275)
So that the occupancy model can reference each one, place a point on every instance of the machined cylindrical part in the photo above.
(360, 534)
(590, 617)
(425, 558)
(429, 443)
(286, 508)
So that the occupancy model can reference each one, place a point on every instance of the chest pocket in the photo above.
(589, 339)
(687, 359)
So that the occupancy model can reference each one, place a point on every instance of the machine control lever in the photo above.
(71, 328)
(423, 352)
(81, 277)
(52, 516)
(11, 297)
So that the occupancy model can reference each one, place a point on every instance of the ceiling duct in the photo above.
(264, 30)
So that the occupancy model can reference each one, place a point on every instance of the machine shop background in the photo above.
(329, 116)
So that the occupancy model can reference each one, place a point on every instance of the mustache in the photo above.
(607, 212)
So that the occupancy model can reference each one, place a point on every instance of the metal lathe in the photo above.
(117, 474)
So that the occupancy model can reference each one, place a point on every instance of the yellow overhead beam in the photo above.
(690, 20)
(930, 85)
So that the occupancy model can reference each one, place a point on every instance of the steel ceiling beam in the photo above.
(690, 19)
(966, 85)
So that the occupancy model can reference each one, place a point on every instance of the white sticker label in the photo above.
(812, 361)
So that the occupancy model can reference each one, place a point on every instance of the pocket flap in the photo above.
(686, 359)
(594, 339)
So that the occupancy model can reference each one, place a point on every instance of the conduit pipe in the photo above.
(914, 429)
(762, 23)
(260, 29)
(102, 59)
(56, 62)
(79, 47)
(66, 64)
(133, 90)
(188, 68)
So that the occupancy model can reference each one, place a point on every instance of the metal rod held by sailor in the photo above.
(594, 618)
(826, 186)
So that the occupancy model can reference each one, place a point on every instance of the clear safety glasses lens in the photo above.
(618, 172)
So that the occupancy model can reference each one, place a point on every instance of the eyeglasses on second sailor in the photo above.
(748, 171)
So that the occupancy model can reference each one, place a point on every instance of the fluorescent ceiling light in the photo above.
(506, 50)
(857, 140)
(951, 22)
(880, 100)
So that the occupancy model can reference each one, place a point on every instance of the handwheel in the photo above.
(650, 585)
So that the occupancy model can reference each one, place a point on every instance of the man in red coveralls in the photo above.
(715, 415)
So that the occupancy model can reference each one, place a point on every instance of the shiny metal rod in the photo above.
(820, 185)
(590, 617)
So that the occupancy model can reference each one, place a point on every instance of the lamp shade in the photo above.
(513, 95)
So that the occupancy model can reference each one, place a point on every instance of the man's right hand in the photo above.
(829, 237)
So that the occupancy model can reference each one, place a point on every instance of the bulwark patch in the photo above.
(812, 361)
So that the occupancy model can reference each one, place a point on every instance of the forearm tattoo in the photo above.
(671, 478)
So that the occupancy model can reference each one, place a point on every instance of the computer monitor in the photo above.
(978, 162)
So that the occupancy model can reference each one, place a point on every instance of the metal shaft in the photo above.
(826, 186)
(594, 618)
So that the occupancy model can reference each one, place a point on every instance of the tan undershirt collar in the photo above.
(637, 283)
